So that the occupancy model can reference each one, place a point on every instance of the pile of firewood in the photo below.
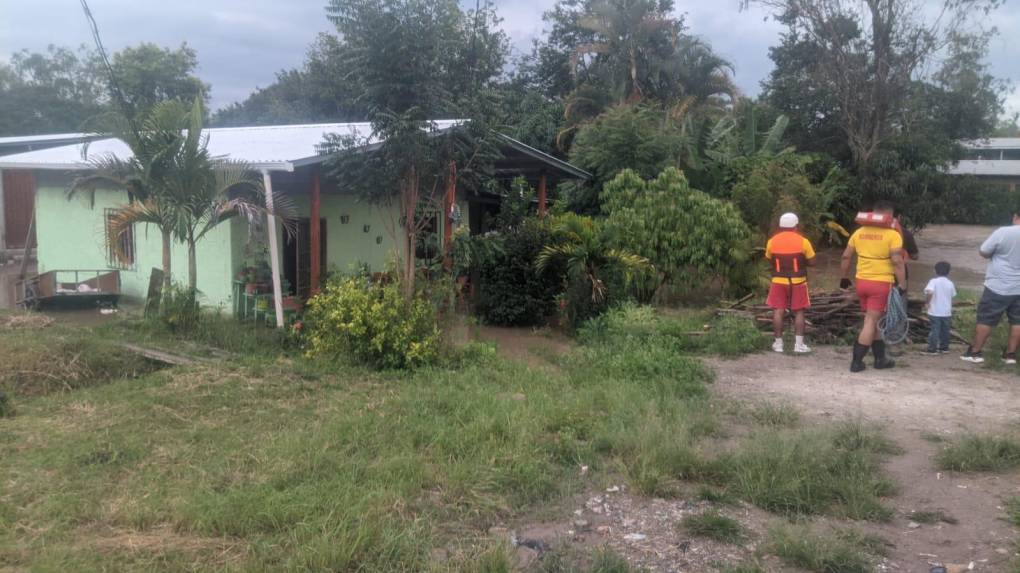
(835, 316)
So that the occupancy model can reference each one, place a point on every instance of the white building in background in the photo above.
(996, 159)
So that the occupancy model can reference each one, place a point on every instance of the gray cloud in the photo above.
(241, 44)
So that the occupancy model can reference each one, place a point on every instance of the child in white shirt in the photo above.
(939, 293)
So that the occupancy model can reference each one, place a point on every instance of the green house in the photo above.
(70, 233)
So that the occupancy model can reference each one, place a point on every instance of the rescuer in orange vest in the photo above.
(789, 255)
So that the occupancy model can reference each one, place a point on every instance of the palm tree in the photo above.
(154, 140)
(204, 191)
(637, 39)
(174, 183)
(588, 254)
(698, 77)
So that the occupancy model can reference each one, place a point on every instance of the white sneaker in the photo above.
(801, 348)
(777, 346)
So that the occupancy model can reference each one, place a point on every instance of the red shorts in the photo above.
(793, 297)
(874, 295)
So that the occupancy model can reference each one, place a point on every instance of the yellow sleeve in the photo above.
(852, 242)
(768, 249)
(895, 241)
(809, 251)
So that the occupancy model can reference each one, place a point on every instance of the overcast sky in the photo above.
(241, 44)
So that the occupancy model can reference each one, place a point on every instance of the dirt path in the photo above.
(924, 397)
(957, 244)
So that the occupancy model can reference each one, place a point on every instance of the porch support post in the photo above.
(274, 251)
(316, 270)
(541, 195)
(3, 221)
(448, 199)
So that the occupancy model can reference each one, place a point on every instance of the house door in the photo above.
(18, 208)
(297, 257)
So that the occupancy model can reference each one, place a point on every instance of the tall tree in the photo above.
(414, 61)
(48, 92)
(153, 140)
(204, 191)
(318, 91)
(866, 57)
(61, 90)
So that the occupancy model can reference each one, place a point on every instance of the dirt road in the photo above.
(922, 398)
(956, 244)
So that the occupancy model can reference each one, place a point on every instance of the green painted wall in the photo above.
(348, 245)
(71, 235)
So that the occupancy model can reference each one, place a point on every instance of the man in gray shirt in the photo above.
(1002, 291)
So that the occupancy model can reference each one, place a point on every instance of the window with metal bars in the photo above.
(120, 254)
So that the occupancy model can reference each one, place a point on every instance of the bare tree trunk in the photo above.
(167, 242)
(411, 232)
(192, 266)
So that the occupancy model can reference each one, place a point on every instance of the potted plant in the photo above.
(251, 285)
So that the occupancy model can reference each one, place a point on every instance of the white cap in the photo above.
(788, 221)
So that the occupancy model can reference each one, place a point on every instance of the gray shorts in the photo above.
(993, 305)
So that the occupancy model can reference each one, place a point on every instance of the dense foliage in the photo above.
(776, 185)
(372, 323)
(510, 292)
(690, 237)
(597, 272)
(61, 90)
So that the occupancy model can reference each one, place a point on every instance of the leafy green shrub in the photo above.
(373, 323)
(714, 525)
(595, 271)
(691, 238)
(636, 138)
(980, 453)
(779, 184)
(682, 332)
(510, 292)
(178, 309)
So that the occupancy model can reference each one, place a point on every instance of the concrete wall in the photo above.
(71, 235)
(349, 245)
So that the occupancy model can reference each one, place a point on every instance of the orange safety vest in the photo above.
(788, 259)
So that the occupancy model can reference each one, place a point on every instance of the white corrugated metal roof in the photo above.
(273, 148)
(21, 139)
(986, 167)
(993, 143)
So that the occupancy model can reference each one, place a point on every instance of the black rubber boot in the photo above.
(882, 361)
(860, 351)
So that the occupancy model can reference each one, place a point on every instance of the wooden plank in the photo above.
(159, 355)
(448, 199)
(541, 195)
(19, 206)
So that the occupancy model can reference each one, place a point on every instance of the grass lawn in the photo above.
(272, 462)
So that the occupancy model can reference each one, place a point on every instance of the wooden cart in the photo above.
(69, 288)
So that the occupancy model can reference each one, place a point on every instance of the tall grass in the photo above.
(832, 552)
(975, 453)
(681, 331)
(714, 525)
(343, 470)
(809, 473)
